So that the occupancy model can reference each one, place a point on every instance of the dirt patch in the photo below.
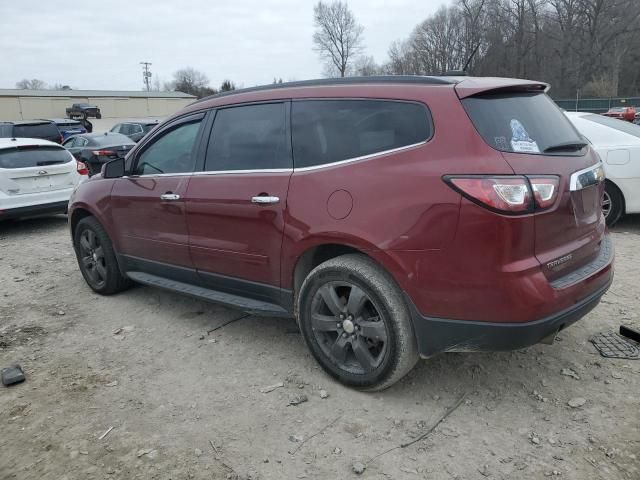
(133, 386)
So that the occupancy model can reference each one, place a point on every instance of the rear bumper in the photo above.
(42, 209)
(437, 335)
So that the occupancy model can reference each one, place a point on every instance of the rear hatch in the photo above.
(536, 139)
(36, 169)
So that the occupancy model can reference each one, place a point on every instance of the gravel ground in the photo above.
(179, 402)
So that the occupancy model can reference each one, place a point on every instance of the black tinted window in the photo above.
(520, 122)
(251, 137)
(33, 157)
(172, 152)
(326, 131)
(40, 130)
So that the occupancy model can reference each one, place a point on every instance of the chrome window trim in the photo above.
(213, 172)
(574, 182)
(363, 157)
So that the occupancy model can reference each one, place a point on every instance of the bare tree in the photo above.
(33, 84)
(189, 80)
(338, 37)
(366, 66)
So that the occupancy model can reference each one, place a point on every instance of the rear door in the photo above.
(536, 139)
(148, 204)
(235, 207)
(36, 169)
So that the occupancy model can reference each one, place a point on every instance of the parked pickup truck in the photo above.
(83, 110)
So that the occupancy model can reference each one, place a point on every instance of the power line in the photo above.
(146, 75)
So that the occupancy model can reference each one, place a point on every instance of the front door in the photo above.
(235, 206)
(148, 206)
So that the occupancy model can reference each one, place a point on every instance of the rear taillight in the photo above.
(508, 194)
(82, 168)
(104, 153)
(545, 191)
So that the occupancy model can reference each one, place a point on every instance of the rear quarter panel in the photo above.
(403, 214)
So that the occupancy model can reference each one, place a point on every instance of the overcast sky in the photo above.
(98, 44)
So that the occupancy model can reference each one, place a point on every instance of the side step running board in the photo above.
(241, 303)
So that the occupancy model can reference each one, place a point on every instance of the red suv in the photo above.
(394, 217)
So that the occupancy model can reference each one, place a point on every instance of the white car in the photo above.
(36, 177)
(618, 144)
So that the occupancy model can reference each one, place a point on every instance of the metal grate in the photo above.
(614, 345)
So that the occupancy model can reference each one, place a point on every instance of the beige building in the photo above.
(18, 104)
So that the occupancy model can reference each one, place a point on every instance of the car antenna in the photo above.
(473, 54)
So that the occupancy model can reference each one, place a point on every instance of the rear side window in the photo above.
(327, 131)
(41, 130)
(520, 122)
(250, 137)
(33, 157)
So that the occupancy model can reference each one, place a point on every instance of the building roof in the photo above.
(16, 92)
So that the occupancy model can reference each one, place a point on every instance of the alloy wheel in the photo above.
(606, 204)
(92, 258)
(348, 327)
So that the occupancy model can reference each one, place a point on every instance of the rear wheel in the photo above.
(612, 204)
(354, 320)
(96, 258)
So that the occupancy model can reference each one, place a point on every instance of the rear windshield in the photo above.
(520, 122)
(33, 157)
(68, 125)
(40, 130)
(621, 125)
(112, 139)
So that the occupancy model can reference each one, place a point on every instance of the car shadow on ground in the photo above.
(14, 228)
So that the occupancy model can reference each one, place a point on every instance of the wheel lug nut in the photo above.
(345, 335)
(338, 324)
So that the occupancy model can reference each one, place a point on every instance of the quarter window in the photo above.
(250, 137)
(172, 152)
(327, 131)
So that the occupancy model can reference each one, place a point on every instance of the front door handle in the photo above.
(264, 199)
(169, 197)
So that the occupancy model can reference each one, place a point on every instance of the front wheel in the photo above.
(96, 258)
(356, 323)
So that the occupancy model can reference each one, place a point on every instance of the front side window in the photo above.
(250, 137)
(171, 152)
(327, 131)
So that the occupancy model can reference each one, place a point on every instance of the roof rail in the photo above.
(407, 79)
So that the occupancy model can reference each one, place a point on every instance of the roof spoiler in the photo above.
(471, 86)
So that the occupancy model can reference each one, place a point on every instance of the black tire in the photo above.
(376, 325)
(96, 258)
(613, 204)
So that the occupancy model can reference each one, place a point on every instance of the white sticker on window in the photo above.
(520, 141)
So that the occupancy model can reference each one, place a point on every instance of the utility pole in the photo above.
(146, 74)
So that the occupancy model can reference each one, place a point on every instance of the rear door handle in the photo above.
(169, 197)
(264, 199)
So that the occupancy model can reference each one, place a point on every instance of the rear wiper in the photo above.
(565, 147)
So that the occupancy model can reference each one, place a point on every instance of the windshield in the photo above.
(521, 122)
(33, 157)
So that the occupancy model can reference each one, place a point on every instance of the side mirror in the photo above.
(113, 169)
